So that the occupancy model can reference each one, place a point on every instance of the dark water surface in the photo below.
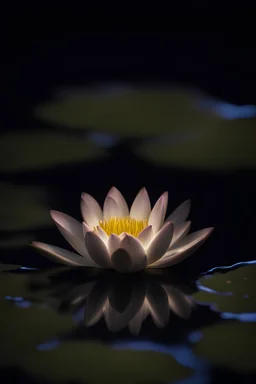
(70, 325)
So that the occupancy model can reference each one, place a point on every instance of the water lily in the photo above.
(121, 300)
(144, 298)
(122, 239)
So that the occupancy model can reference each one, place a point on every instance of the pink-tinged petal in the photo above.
(102, 234)
(77, 296)
(136, 252)
(145, 236)
(185, 248)
(192, 239)
(96, 302)
(165, 203)
(117, 317)
(178, 302)
(157, 215)
(97, 250)
(91, 210)
(111, 209)
(141, 207)
(136, 323)
(122, 261)
(141, 265)
(122, 235)
(113, 243)
(180, 214)
(118, 197)
(71, 229)
(180, 231)
(158, 304)
(160, 244)
(86, 228)
(63, 256)
(90, 322)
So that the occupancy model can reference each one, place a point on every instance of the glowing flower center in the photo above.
(117, 225)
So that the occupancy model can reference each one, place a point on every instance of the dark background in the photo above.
(45, 46)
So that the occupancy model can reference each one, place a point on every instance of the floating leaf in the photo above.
(131, 112)
(8, 267)
(230, 344)
(22, 151)
(16, 241)
(23, 326)
(26, 332)
(13, 284)
(221, 145)
(232, 291)
(91, 363)
(26, 208)
(22, 329)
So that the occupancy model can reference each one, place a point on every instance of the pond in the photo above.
(193, 322)
(69, 325)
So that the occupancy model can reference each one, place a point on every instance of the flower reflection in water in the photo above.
(123, 300)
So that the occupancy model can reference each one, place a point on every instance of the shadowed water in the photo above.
(85, 325)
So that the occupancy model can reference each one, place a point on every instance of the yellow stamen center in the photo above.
(117, 225)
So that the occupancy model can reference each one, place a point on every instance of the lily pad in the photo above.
(27, 333)
(130, 112)
(26, 208)
(22, 329)
(28, 150)
(221, 145)
(12, 284)
(230, 344)
(24, 326)
(16, 241)
(233, 291)
(91, 363)
(8, 267)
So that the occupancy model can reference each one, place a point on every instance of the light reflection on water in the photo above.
(229, 267)
(181, 353)
(121, 300)
(227, 110)
(128, 309)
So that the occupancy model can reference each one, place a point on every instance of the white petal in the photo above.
(180, 214)
(116, 319)
(91, 321)
(122, 261)
(102, 234)
(122, 235)
(97, 250)
(136, 322)
(63, 256)
(158, 304)
(113, 243)
(160, 244)
(71, 229)
(91, 211)
(180, 231)
(77, 296)
(86, 228)
(192, 239)
(141, 206)
(145, 236)
(96, 302)
(111, 208)
(118, 197)
(178, 302)
(136, 252)
(156, 217)
(185, 248)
